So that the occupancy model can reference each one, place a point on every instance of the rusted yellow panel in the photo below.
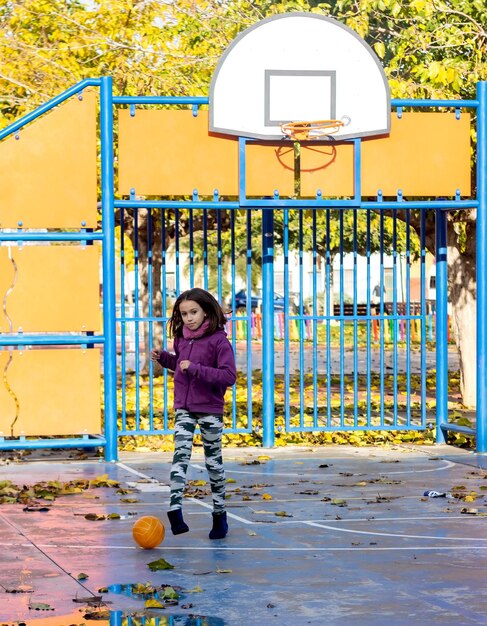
(426, 154)
(171, 153)
(58, 393)
(49, 288)
(48, 176)
(327, 167)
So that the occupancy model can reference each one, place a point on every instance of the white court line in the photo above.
(212, 548)
(232, 515)
(446, 465)
(251, 522)
(195, 500)
(366, 532)
(348, 520)
(133, 471)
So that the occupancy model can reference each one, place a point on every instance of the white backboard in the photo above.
(299, 67)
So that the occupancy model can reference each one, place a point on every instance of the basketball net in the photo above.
(305, 131)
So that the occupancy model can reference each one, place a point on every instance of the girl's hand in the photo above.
(154, 356)
(183, 365)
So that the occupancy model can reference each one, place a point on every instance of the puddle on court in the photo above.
(155, 601)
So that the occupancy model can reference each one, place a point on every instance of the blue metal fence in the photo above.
(337, 363)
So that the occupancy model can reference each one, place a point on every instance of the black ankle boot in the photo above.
(178, 525)
(220, 526)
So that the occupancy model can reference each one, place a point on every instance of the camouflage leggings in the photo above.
(211, 427)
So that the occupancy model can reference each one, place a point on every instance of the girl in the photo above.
(204, 366)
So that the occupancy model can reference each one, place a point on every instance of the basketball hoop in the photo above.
(305, 131)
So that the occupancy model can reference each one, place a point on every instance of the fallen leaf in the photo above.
(160, 564)
(154, 604)
(40, 606)
(170, 593)
(82, 576)
(223, 571)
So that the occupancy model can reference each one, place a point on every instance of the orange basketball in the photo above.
(148, 532)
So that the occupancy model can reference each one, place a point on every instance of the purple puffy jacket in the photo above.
(201, 388)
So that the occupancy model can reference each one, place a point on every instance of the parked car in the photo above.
(256, 301)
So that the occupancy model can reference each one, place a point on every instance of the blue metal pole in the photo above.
(441, 326)
(482, 268)
(109, 297)
(268, 328)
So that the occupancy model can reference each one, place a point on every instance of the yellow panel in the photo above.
(171, 153)
(426, 154)
(56, 288)
(48, 176)
(269, 168)
(328, 168)
(58, 392)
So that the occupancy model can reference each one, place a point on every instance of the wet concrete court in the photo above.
(329, 535)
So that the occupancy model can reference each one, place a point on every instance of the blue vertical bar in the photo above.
(267, 327)
(150, 324)
(249, 318)
(232, 319)
(136, 317)
(123, 323)
(441, 325)
(302, 403)
(342, 324)
(205, 249)
(219, 254)
(407, 318)
(328, 290)
(164, 314)
(176, 247)
(395, 323)
(381, 315)
(422, 343)
(355, 322)
(287, 363)
(368, 357)
(109, 297)
(481, 268)
(191, 248)
(314, 326)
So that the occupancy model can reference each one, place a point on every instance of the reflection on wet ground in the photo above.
(105, 617)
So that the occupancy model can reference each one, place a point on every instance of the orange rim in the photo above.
(312, 129)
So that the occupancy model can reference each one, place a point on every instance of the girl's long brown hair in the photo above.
(212, 309)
